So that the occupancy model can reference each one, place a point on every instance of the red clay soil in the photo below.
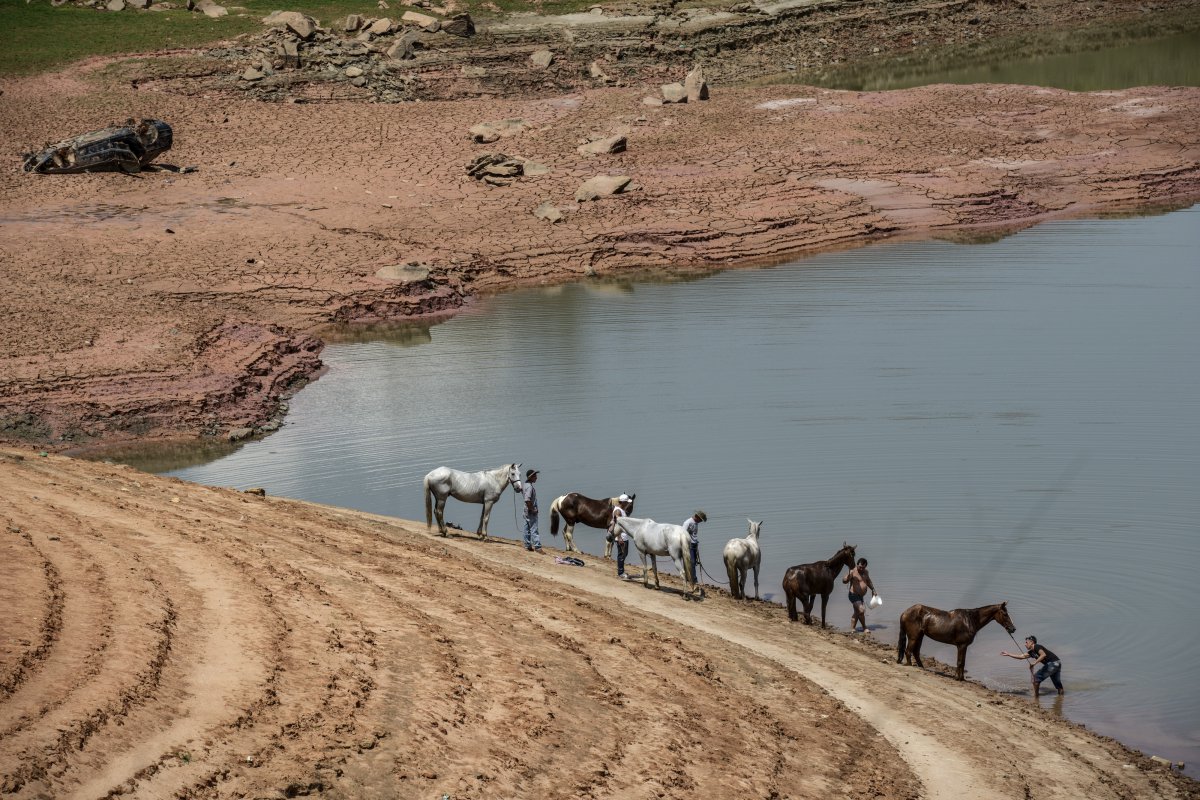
(168, 304)
(164, 639)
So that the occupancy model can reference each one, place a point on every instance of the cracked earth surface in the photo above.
(186, 303)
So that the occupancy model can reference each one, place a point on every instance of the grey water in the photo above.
(1163, 61)
(1013, 421)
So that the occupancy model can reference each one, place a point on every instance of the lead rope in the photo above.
(1014, 640)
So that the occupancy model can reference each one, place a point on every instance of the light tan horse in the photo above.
(741, 556)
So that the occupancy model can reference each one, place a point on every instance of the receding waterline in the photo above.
(1006, 421)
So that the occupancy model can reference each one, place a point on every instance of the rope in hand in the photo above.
(1014, 640)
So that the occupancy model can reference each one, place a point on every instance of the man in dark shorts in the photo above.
(859, 580)
(1045, 664)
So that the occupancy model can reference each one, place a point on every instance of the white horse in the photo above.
(660, 539)
(742, 555)
(470, 487)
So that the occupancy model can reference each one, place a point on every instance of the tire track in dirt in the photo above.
(262, 647)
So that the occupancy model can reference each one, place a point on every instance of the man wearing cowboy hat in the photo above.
(692, 526)
(530, 534)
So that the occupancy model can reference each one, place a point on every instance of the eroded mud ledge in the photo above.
(168, 305)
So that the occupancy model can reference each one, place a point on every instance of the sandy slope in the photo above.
(167, 639)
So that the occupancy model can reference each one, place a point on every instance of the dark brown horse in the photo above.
(575, 508)
(806, 581)
(957, 627)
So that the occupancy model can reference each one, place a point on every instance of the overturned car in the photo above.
(125, 148)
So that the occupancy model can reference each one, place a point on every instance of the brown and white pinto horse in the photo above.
(957, 627)
(575, 508)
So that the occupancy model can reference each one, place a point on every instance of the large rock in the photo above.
(141, 4)
(674, 93)
(352, 23)
(601, 147)
(422, 20)
(116, 5)
(459, 25)
(487, 132)
(380, 27)
(403, 273)
(212, 10)
(495, 168)
(542, 58)
(695, 85)
(601, 186)
(299, 24)
(406, 46)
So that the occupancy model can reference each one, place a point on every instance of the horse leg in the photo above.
(483, 519)
(791, 604)
(439, 511)
(654, 565)
(808, 605)
(755, 584)
(916, 649)
(824, 602)
(569, 537)
(962, 662)
(645, 572)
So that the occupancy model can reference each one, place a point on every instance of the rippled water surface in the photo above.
(1007, 421)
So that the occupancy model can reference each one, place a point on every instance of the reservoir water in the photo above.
(1162, 61)
(1014, 420)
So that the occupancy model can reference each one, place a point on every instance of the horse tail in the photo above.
(428, 504)
(735, 587)
(901, 645)
(554, 514)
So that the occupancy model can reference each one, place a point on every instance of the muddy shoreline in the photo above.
(167, 305)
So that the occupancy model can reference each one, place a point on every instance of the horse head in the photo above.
(846, 554)
(1004, 619)
(629, 506)
(753, 529)
(514, 476)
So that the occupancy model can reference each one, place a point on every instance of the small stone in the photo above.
(549, 212)
(116, 5)
(353, 72)
(237, 434)
(469, 71)
(352, 23)
(613, 144)
(251, 74)
(459, 25)
(542, 58)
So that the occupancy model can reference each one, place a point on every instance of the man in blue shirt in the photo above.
(530, 533)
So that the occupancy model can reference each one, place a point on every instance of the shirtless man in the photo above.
(859, 580)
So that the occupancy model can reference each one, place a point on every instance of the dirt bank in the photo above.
(167, 304)
(163, 639)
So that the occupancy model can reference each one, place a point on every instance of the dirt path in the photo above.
(168, 639)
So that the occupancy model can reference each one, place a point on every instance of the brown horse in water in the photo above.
(957, 627)
(806, 581)
(575, 508)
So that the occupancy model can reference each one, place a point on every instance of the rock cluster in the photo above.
(364, 53)
(496, 169)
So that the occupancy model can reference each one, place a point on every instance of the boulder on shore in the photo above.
(601, 186)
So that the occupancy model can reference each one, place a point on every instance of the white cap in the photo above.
(623, 498)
